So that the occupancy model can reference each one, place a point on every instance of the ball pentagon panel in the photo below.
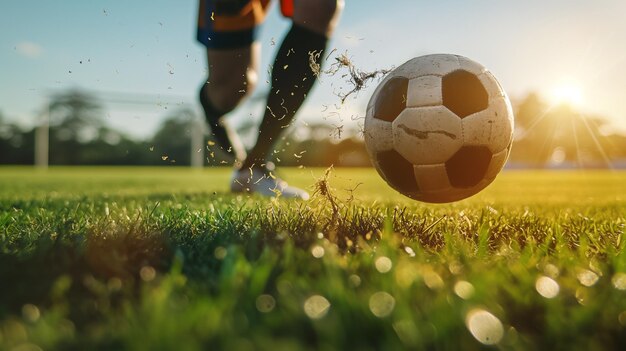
(463, 93)
(468, 167)
(391, 99)
(397, 172)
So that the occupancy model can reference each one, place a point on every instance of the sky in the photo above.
(129, 50)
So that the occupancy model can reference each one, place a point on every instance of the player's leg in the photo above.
(228, 29)
(292, 77)
(232, 75)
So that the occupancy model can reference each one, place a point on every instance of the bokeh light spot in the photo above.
(265, 303)
(316, 306)
(619, 281)
(587, 277)
(433, 280)
(484, 326)
(220, 252)
(354, 280)
(30, 313)
(464, 289)
(317, 251)
(382, 304)
(383, 264)
(547, 287)
(147, 273)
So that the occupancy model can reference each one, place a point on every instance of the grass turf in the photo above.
(165, 258)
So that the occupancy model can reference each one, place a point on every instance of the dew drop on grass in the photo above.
(265, 303)
(409, 251)
(316, 306)
(587, 277)
(382, 304)
(383, 264)
(484, 326)
(317, 251)
(463, 289)
(547, 287)
(619, 281)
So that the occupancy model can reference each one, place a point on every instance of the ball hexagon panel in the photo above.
(397, 171)
(427, 135)
(432, 178)
(391, 99)
(497, 163)
(492, 128)
(491, 84)
(378, 135)
(470, 65)
(437, 64)
(424, 91)
(463, 93)
(469, 166)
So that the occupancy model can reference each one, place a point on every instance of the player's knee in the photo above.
(226, 94)
(318, 15)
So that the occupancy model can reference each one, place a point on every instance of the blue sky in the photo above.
(149, 48)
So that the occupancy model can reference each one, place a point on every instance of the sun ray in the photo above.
(603, 153)
(548, 146)
(538, 120)
(579, 160)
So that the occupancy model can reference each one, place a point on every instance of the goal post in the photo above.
(42, 137)
(197, 127)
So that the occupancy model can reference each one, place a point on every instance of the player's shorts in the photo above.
(227, 24)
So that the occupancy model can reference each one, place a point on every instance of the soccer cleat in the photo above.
(263, 181)
(225, 137)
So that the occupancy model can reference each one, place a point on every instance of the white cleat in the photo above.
(264, 182)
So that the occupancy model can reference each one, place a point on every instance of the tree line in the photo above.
(78, 135)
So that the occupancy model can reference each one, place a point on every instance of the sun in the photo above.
(567, 91)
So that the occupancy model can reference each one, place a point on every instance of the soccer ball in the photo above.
(439, 128)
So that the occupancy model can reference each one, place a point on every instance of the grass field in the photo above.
(167, 259)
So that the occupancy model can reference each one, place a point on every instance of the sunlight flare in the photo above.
(567, 91)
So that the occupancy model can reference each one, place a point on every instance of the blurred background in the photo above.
(115, 83)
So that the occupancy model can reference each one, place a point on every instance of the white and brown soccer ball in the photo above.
(439, 128)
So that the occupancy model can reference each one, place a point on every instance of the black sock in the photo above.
(219, 131)
(292, 79)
